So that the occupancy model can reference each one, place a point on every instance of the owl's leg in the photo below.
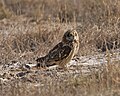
(76, 58)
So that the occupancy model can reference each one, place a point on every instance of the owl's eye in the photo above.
(70, 35)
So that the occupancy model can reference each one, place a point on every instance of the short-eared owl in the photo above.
(63, 52)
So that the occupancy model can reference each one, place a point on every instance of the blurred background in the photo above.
(86, 11)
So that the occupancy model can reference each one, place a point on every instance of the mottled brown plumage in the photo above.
(63, 52)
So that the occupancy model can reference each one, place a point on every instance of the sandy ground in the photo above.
(81, 65)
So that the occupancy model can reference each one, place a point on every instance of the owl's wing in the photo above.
(47, 60)
(53, 51)
(59, 52)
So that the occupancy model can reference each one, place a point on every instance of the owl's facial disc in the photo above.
(70, 37)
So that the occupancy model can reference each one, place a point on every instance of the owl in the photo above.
(63, 52)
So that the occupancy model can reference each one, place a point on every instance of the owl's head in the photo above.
(70, 36)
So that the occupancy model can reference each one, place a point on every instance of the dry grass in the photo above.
(104, 82)
(33, 27)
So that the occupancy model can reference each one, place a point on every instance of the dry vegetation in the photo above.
(29, 28)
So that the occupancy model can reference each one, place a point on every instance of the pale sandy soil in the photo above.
(80, 65)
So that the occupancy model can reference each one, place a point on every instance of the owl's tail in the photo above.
(42, 62)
